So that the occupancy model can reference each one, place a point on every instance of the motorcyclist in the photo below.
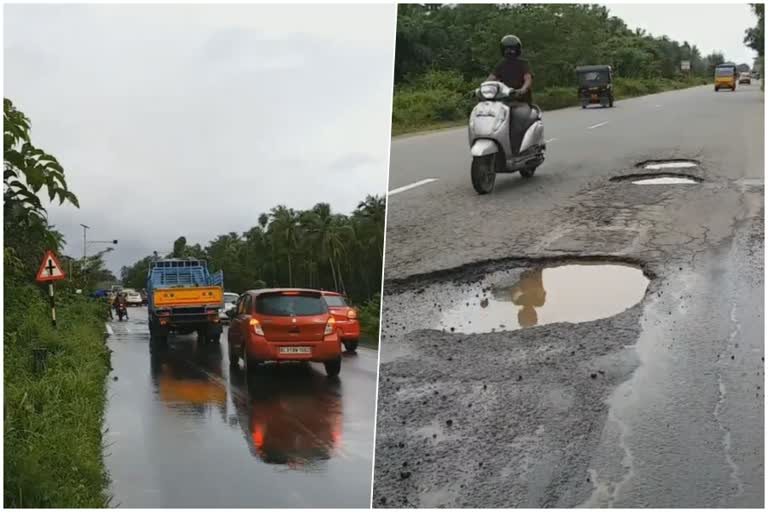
(516, 73)
(120, 300)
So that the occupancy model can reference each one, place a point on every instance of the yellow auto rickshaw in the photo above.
(725, 76)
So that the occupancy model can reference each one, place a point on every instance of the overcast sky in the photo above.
(711, 27)
(194, 119)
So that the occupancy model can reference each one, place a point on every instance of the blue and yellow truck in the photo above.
(184, 297)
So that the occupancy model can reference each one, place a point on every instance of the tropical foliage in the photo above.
(313, 248)
(53, 415)
(755, 36)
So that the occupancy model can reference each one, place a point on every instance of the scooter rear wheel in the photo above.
(484, 173)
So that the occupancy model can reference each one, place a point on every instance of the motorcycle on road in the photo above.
(491, 136)
(122, 311)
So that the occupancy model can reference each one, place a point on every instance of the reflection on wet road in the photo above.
(292, 416)
(185, 430)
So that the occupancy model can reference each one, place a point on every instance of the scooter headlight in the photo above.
(489, 91)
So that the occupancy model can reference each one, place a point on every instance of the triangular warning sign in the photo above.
(50, 270)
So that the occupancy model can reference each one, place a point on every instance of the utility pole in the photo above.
(85, 243)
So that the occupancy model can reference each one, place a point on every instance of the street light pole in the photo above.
(85, 243)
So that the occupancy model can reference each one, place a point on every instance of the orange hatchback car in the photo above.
(346, 319)
(283, 325)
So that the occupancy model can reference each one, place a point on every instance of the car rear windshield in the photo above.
(335, 301)
(290, 305)
(724, 71)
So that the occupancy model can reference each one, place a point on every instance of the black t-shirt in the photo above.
(511, 73)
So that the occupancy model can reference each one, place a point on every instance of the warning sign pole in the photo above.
(53, 305)
(50, 271)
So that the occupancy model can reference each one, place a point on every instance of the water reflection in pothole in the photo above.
(675, 164)
(566, 293)
(666, 180)
(658, 179)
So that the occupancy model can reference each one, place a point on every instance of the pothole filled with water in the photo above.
(659, 179)
(655, 165)
(565, 293)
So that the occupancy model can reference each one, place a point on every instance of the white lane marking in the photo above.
(412, 185)
(550, 140)
(597, 125)
(109, 329)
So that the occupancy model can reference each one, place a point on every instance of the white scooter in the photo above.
(489, 137)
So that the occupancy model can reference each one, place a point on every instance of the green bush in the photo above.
(443, 98)
(556, 97)
(415, 108)
(53, 419)
(368, 315)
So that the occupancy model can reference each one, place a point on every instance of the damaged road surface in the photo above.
(595, 394)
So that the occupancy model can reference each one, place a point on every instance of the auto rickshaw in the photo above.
(595, 85)
(725, 76)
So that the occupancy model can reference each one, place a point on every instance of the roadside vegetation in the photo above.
(53, 408)
(313, 248)
(754, 37)
(444, 51)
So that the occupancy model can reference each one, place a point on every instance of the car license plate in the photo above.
(295, 350)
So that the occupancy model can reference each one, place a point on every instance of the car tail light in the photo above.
(257, 327)
(351, 314)
(329, 326)
(258, 436)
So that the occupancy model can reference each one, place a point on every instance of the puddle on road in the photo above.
(659, 179)
(666, 180)
(672, 164)
(566, 293)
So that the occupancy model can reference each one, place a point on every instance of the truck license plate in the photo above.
(295, 350)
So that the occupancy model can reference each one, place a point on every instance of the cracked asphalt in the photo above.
(658, 406)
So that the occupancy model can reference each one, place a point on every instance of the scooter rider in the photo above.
(120, 300)
(516, 73)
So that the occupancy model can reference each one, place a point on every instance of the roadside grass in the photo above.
(53, 419)
(441, 99)
(368, 316)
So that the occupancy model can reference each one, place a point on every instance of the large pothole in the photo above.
(567, 293)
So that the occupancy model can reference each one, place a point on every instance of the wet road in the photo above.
(660, 405)
(186, 431)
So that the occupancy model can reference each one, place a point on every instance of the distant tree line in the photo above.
(313, 248)
(556, 38)
(443, 51)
